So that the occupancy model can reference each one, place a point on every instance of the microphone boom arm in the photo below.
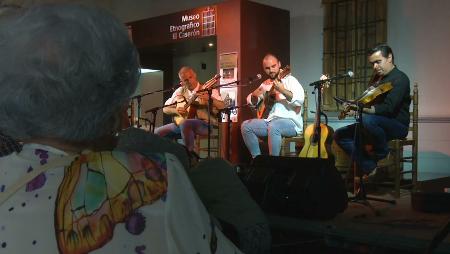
(320, 82)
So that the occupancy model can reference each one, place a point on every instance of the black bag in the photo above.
(298, 187)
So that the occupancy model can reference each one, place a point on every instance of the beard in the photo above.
(274, 75)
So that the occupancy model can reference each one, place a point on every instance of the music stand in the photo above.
(360, 195)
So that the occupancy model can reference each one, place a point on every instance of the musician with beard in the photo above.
(283, 97)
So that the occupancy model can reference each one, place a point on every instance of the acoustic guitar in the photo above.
(265, 105)
(367, 99)
(318, 136)
(318, 139)
(193, 108)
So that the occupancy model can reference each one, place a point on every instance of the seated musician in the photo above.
(384, 121)
(284, 118)
(183, 125)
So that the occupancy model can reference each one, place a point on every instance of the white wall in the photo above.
(419, 33)
(149, 83)
(307, 46)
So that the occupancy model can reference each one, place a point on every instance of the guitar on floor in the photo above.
(318, 136)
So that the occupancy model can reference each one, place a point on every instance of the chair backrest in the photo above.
(414, 116)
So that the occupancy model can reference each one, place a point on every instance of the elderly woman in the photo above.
(66, 72)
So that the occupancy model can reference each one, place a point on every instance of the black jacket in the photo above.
(396, 102)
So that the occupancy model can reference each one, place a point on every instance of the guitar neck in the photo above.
(318, 108)
(191, 100)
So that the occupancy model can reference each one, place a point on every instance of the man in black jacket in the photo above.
(383, 121)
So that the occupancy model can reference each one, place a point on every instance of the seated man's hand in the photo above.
(203, 97)
(181, 110)
(349, 109)
(351, 112)
(254, 100)
(278, 85)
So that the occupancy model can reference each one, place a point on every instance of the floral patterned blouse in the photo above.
(104, 202)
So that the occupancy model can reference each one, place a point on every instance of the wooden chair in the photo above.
(291, 146)
(396, 159)
(201, 144)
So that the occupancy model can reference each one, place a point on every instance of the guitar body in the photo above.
(191, 110)
(265, 105)
(311, 147)
(369, 97)
(192, 105)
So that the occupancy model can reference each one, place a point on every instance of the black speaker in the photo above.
(299, 187)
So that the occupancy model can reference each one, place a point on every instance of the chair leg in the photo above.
(414, 169)
(397, 169)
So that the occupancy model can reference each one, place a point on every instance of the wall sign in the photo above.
(194, 23)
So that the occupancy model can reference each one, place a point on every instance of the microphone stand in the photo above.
(153, 111)
(218, 86)
(139, 100)
(210, 102)
(317, 129)
(349, 74)
(360, 195)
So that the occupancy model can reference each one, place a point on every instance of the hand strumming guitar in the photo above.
(349, 109)
(279, 86)
(181, 110)
(202, 98)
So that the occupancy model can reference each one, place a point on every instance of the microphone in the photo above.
(349, 74)
(255, 78)
(174, 87)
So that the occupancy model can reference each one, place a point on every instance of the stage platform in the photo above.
(393, 228)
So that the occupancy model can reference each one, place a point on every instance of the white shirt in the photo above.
(187, 94)
(280, 110)
(177, 222)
